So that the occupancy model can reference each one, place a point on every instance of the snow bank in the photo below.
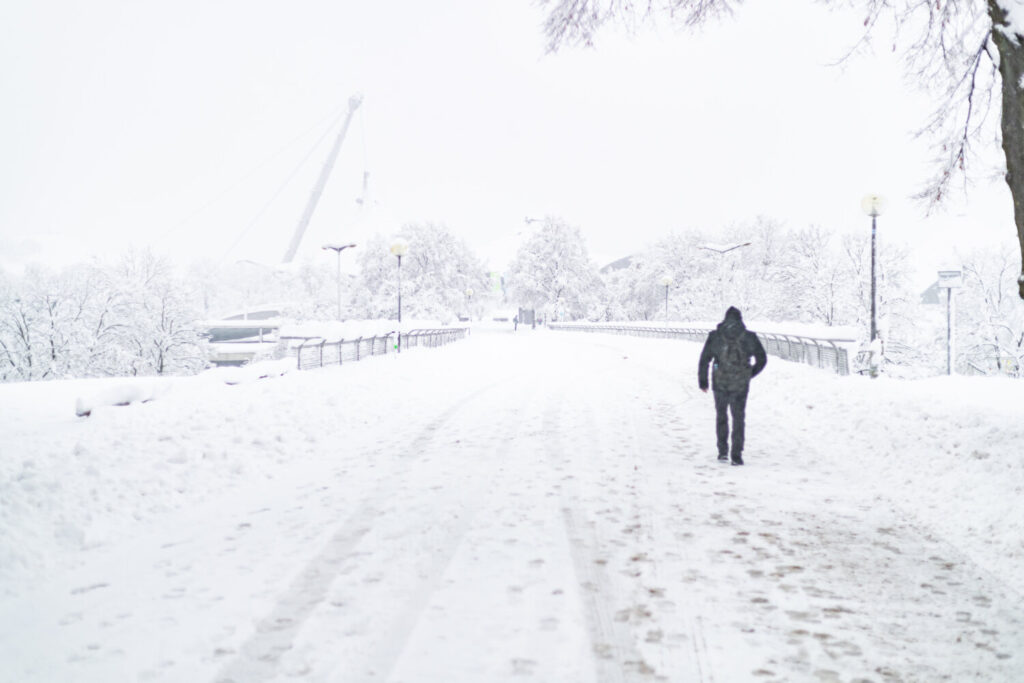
(123, 393)
(250, 372)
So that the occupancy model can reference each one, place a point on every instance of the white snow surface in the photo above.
(515, 506)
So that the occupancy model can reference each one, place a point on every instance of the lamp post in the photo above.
(873, 205)
(338, 248)
(666, 281)
(561, 282)
(399, 248)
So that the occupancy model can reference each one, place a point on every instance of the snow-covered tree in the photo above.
(22, 351)
(764, 265)
(816, 279)
(552, 272)
(53, 325)
(628, 295)
(159, 334)
(97, 318)
(436, 272)
(894, 302)
(990, 322)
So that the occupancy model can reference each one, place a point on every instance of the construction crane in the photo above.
(325, 172)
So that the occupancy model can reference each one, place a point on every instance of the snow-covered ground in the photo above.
(539, 505)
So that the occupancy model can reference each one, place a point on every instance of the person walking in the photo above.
(731, 347)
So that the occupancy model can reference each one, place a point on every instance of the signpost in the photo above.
(949, 280)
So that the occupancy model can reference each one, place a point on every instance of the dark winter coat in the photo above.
(732, 377)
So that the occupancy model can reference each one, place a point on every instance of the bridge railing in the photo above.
(316, 352)
(829, 354)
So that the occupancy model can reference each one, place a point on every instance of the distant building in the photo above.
(624, 262)
(932, 295)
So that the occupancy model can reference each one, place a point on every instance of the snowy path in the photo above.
(536, 506)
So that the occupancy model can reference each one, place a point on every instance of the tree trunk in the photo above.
(1011, 68)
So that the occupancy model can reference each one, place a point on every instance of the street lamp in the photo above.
(338, 248)
(873, 205)
(399, 248)
(666, 281)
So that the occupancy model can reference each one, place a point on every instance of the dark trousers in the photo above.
(735, 402)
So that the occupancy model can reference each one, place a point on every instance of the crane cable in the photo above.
(287, 181)
(333, 115)
(365, 198)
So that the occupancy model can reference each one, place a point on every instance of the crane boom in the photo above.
(325, 172)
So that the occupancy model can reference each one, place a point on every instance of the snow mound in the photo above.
(135, 391)
(250, 372)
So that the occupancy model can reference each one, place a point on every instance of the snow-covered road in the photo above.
(538, 506)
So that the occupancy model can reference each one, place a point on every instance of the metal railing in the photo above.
(820, 353)
(316, 352)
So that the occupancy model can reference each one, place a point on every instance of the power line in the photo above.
(333, 116)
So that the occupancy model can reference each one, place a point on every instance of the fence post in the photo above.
(789, 346)
(817, 349)
(840, 370)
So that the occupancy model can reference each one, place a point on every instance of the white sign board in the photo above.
(950, 279)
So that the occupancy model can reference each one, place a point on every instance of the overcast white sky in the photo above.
(174, 125)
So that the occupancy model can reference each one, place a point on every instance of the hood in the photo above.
(732, 327)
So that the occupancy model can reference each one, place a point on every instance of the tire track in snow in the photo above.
(384, 657)
(273, 636)
(616, 658)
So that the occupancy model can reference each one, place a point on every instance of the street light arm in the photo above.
(337, 247)
(724, 251)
